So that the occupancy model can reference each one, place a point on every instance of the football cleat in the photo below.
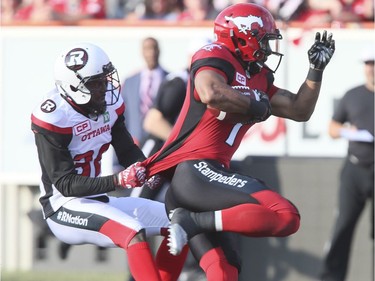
(177, 239)
(182, 228)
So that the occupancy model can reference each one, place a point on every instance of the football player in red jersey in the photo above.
(209, 203)
(73, 126)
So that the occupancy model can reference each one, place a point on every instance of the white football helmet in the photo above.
(85, 76)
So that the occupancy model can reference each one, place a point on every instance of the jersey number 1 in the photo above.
(233, 134)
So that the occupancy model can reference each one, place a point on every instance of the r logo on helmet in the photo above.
(76, 59)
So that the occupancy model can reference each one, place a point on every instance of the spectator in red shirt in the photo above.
(329, 11)
(21, 10)
(72, 11)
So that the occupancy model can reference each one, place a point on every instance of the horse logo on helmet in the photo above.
(244, 23)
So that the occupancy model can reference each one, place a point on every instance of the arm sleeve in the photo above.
(58, 167)
(125, 148)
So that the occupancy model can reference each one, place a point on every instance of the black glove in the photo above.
(260, 110)
(154, 182)
(321, 51)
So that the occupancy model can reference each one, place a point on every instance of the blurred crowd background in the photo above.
(283, 257)
(70, 12)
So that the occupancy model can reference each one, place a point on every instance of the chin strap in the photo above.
(236, 49)
(254, 67)
(79, 108)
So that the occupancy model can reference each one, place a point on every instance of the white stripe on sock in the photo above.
(218, 221)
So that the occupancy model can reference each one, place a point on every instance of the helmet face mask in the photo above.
(247, 31)
(86, 78)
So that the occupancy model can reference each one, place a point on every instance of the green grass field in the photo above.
(61, 276)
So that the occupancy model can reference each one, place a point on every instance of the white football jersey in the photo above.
(87, 139)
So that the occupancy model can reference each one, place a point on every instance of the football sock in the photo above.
(204, 220)
(249, 219)
(170, 266)
(141, 263)
(216, 266)
(192, 223)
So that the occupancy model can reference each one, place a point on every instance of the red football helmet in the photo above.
(246, 30)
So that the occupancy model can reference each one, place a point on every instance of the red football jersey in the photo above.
(198, 134)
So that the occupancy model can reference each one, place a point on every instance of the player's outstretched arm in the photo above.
(300, 106)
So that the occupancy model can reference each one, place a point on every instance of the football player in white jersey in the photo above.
(73, 126)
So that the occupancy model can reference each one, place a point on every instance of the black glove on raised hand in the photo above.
(320, 55)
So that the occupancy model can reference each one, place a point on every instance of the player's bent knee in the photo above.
(290, 224)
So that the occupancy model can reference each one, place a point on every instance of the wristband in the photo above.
(315, 75)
